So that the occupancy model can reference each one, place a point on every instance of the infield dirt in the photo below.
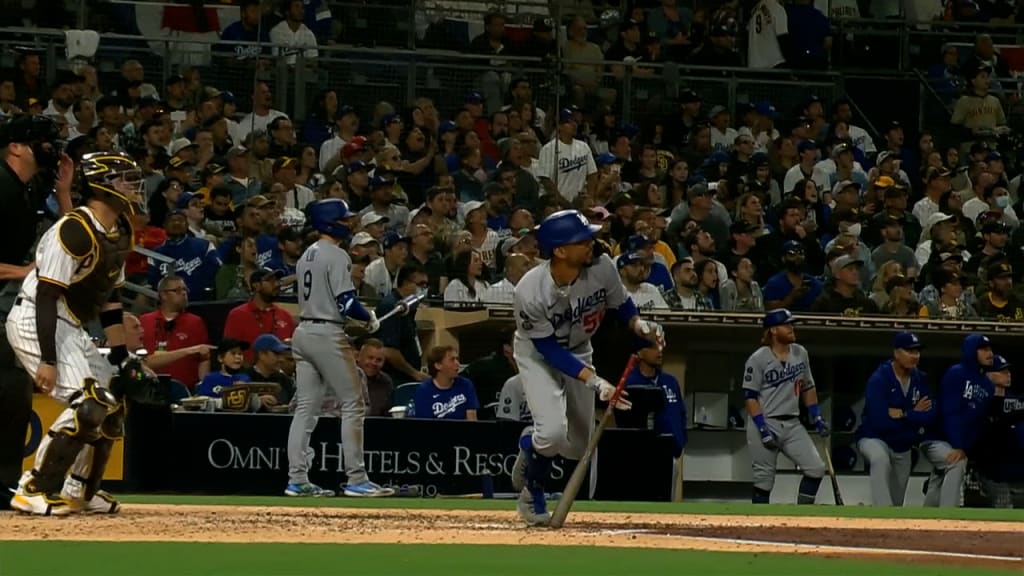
(948, 542)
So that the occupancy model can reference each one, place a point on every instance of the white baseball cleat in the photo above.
(40, 504)
(101, 503)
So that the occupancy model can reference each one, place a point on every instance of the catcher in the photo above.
(78, 275)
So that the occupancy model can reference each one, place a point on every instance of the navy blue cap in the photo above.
(473, 98)
(356, 166)
(629, 258)
(565, 115)
(446, 126)
(983, 341)
(765, 108)
(807, 145)
(636, 242)
(606, 159)
(791, 246)
(269, 343)
(777, 317)
(343, 111)
(393, 239)
(184, 199)
(263, 274)
(993, 156)
(907, 340)
(227, 96)
(380, 181)
(999, 363)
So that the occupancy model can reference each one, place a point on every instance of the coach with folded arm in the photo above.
(897, 408)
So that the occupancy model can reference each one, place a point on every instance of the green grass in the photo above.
(180, 559)
(642, 507)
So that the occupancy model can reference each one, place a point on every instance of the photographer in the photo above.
(29, 153)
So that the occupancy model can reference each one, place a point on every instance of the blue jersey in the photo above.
(779, 286)
(451, 404)
(195, 261)
(267, 249)
(884, 391)
(965, 396)
(672, 418)
(214, 382)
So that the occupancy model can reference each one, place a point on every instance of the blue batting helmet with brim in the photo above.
(777, 317)
(564, 227)
(325, 216)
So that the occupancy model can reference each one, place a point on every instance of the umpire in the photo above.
(28, 148)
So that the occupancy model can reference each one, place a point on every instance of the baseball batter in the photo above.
(324, 356)
(774, 379)
(79, 271)
(558, 306)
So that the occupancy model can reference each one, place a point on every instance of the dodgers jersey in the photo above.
(445, 404)
(779, 383)
(568, 167)
(573, 315)
(324, 272)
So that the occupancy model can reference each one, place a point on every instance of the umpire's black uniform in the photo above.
(20, 214)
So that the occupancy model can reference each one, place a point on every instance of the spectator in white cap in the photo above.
(381, 273)
(482, 238)
(939, 230)
(888, 163)
(364, 246)
(374, 224)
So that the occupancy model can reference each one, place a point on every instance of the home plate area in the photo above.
(947, 542)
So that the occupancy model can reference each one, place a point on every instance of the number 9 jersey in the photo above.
(571, 314)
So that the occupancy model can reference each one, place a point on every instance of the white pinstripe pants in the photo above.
(77, 359)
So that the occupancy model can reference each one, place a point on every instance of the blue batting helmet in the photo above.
(564, 227)
(325, 216)
(777, 317)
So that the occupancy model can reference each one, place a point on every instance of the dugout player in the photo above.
(558, 306)
(775, 378)
(998, 457)
(324, 354)
(897, 408)
(78, 275)
(28, 146)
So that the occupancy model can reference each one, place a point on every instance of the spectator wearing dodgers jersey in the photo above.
(445, 395)
(566, 165)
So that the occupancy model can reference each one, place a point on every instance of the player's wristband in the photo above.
(814, 412)
(759, 422)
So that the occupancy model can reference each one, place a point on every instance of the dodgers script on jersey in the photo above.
(323, 273)
(574, 163)
(541, 311)
(779, 383)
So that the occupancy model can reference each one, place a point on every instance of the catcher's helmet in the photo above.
(325, 216)
(115, 178)
(564, 227)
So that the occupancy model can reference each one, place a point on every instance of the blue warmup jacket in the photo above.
(672, 419)
(884, 392)
(964, 397)
(195, 260)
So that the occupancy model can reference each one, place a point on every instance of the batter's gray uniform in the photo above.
(562, 407)
(324, 357)
(779, 386)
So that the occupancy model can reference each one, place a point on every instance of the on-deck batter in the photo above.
(324, 355)
(558, 306)
(774, 379)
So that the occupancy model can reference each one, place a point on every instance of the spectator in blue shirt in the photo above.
(246, 29)
(648, 372)
(810, 36)
(230, 357)
(194, 259)
(792, 288)
(445, 395)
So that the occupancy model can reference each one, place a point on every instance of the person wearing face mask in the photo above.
(893, 248)
(792, 288)
(995, 200)
(848, 224)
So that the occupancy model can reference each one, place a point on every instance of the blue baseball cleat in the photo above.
(308, 490)
(367, 490)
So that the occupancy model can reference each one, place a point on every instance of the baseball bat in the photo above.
(677, 480)
(580, 473)
(832, 474)
(403, 306)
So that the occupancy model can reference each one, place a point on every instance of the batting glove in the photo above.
(650, 331)
(605, 390)
(372, 325)
(769, 439)
(822, 426)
